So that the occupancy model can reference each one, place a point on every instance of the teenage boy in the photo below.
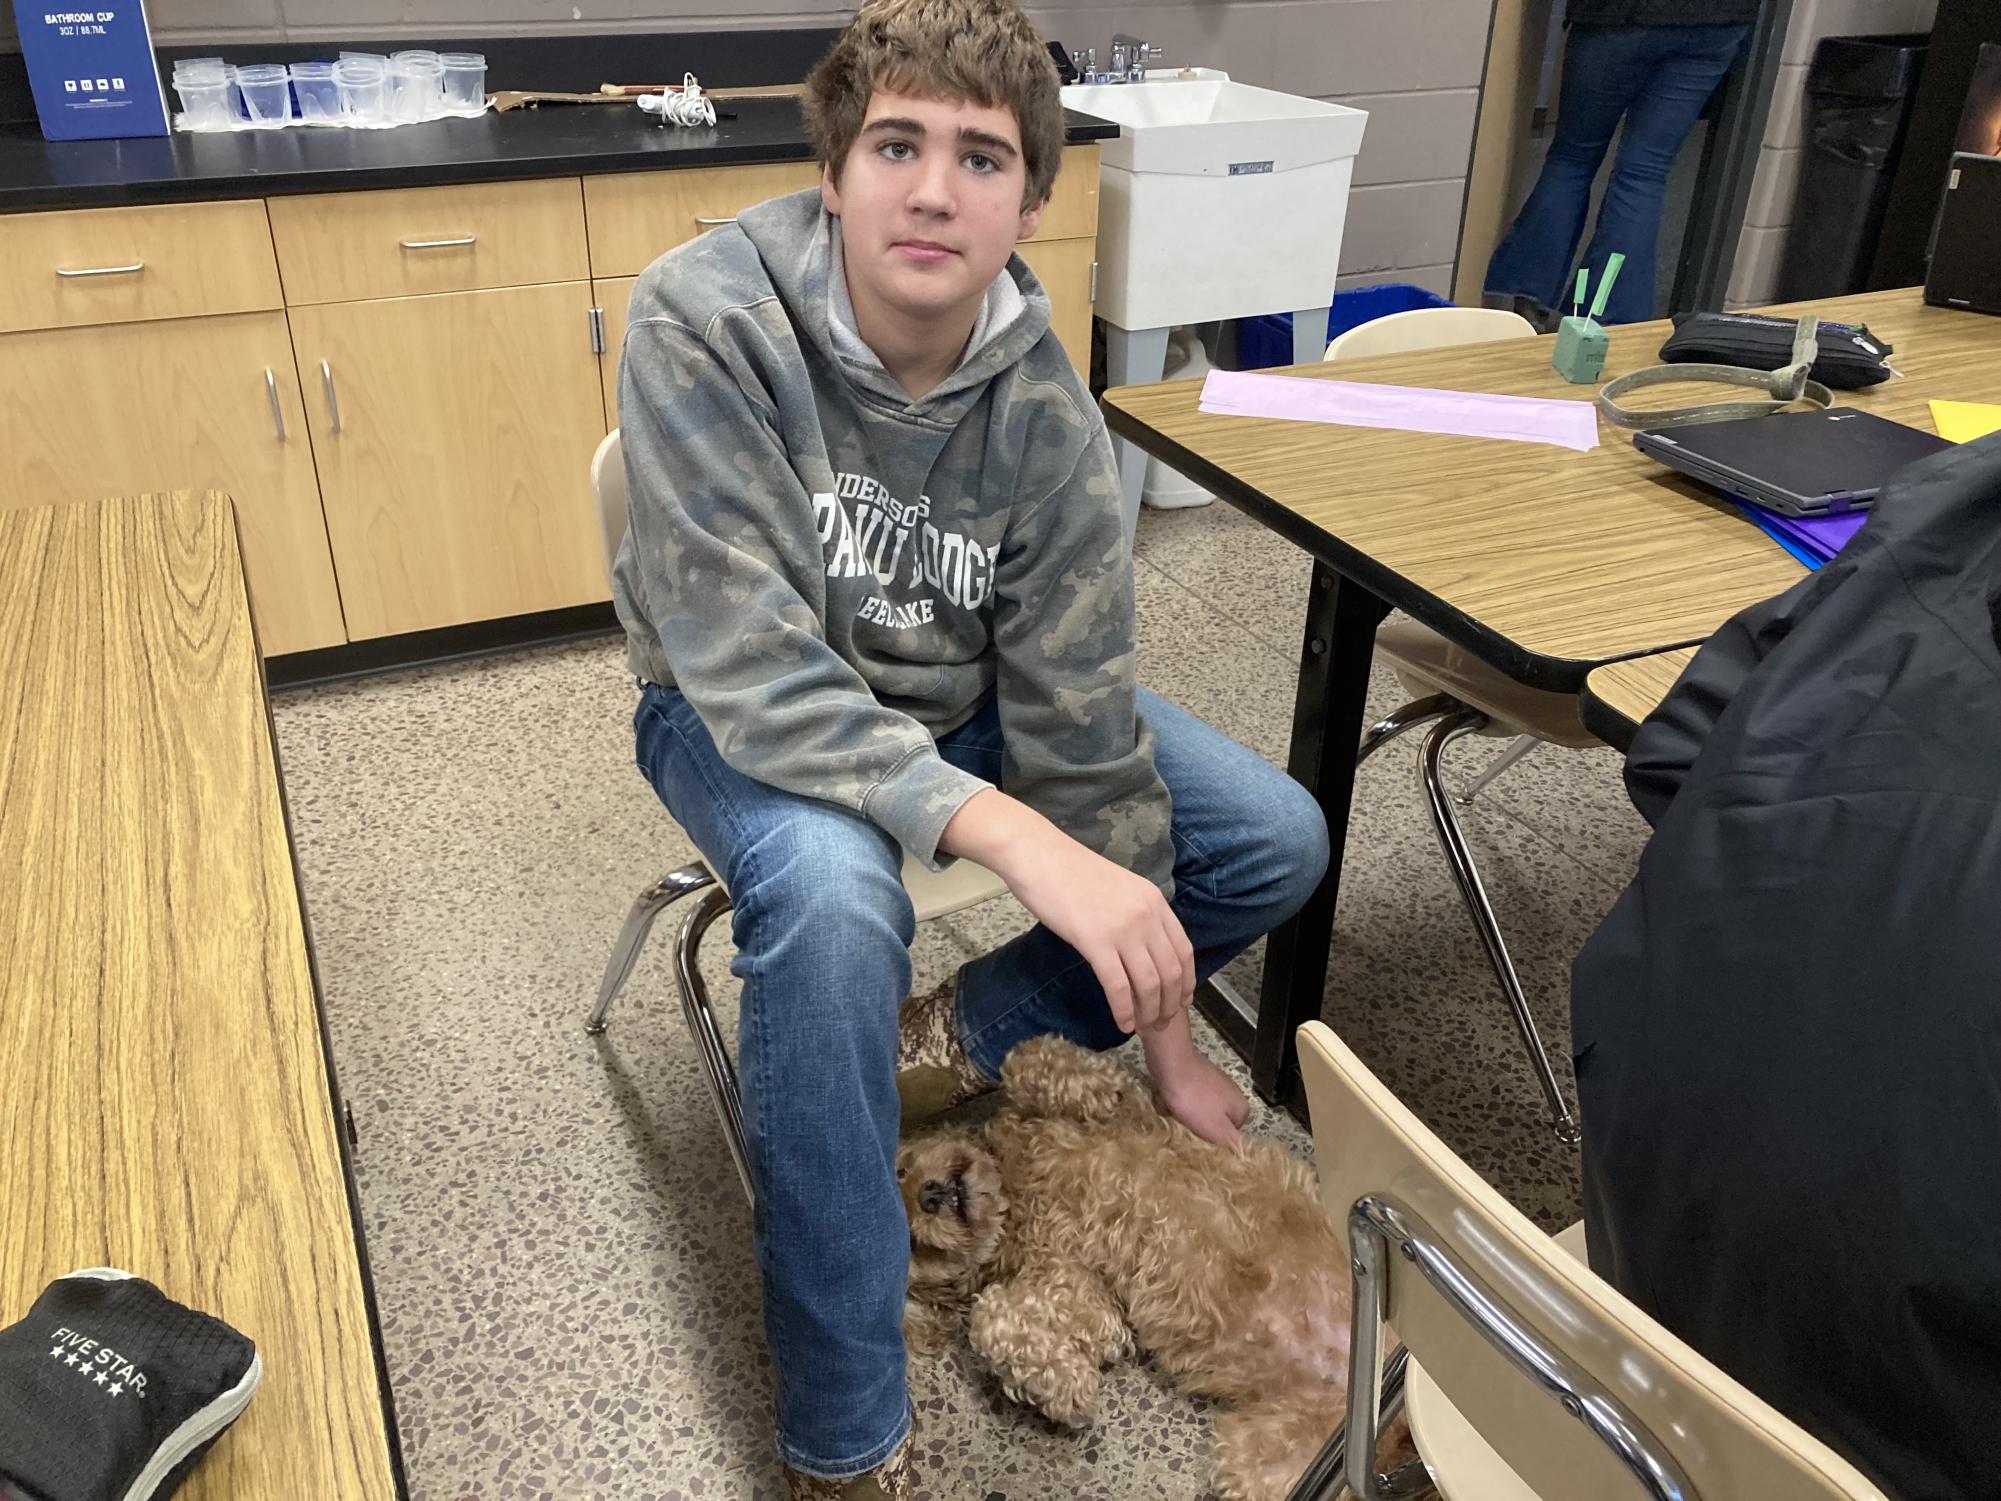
(880, 599)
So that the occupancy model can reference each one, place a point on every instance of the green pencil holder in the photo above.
(1580, 350)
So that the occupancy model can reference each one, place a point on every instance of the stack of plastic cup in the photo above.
(315, 92)
(416, 86)
(205, 86)
(464, 82)
(267, 93)
(363, 81)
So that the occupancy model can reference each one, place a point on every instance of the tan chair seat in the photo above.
(940, 893)
(1428, 663)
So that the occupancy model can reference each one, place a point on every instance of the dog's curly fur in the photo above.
(1082, 1220)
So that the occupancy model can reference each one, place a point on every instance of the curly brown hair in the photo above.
(983, 51)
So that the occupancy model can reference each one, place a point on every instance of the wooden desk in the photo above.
(1619, 695)
(1544, 562)
(169, 1104)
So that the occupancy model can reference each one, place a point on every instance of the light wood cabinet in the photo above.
(636, 217)
(397, 387)
(454, 438)
(127, 265)
(191, 404)
(1064, 268)
(404, 242)
(612, 298)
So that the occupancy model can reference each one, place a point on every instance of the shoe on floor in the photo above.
(933, 1073)
(889, 1481)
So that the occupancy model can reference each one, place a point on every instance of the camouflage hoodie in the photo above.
(834, 574)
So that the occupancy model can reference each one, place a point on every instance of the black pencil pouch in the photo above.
(1848, 357)
(112, 1391)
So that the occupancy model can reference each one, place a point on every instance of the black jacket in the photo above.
(1788, 1031)
(1661, 12)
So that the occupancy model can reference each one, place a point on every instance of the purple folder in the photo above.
(1811, 539)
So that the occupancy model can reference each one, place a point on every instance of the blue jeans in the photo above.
(1658, 78)
(823, 929)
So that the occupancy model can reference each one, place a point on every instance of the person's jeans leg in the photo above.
(1688, 63)
(1250, 845)
(823, 929)
(1604, 70)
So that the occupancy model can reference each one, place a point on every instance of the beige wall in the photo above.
(1413, 64)
(1769, 215)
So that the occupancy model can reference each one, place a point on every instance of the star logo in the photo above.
(56, 1353)
(116, 1388)
(73, 1362)
(101, 1378)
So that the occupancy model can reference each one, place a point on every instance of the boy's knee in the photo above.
(825, 873)
(1293, 833)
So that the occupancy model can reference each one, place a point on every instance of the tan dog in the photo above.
(1083, 1220)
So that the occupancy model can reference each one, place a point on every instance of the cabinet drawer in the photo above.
(344, 247)
(129, 265)
(636, 216)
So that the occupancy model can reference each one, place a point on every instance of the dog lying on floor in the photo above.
(1081, 1222)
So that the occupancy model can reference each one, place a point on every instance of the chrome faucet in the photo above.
(1127, 63)
(1130, 56)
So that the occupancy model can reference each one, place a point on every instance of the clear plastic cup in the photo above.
(363, 83)
(205, 100)
(313, 88)
(464, 82)
(267, 93)
(416, 87)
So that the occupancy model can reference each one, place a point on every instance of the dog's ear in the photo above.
(1051, 1076)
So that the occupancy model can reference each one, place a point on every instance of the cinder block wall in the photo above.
(1413, 64)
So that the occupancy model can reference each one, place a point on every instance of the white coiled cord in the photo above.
(689, 107)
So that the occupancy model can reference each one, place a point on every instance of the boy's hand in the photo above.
(1118, 921)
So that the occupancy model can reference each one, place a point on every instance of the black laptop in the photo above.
(1965, 271)
(1797, 463)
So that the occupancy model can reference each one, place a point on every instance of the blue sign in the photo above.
(92, 70)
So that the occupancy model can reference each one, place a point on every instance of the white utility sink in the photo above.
(1208, 125)
(1218, 200)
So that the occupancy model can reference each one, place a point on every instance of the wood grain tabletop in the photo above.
(167, 1107)
(1545, 561)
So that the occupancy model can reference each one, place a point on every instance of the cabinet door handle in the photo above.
(333, 401)
(597, 330)
(277, 412)
(436, 244)
(104, 270)
(712, 223)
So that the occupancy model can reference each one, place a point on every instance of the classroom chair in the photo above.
(1459, 695)
(1529, 1377)
(960, 885)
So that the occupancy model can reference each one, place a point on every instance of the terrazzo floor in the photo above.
(560, 1249)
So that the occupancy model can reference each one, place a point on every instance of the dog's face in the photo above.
(951, 1187)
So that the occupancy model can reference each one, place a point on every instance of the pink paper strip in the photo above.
(1471, 414)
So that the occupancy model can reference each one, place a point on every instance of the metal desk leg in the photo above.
(1327, 713)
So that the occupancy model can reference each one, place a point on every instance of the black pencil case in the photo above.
(112, 1391)
(1848, 357)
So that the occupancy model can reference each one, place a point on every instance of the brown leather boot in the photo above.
(889, 1481)
(933, 1073)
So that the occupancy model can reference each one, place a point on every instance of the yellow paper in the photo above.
(1963, 421)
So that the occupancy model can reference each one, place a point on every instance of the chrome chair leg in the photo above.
(1452, 840)
(717, 1068)
(1518, 747)
(650, 903)
(1325, 1478)
(1418, 711)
